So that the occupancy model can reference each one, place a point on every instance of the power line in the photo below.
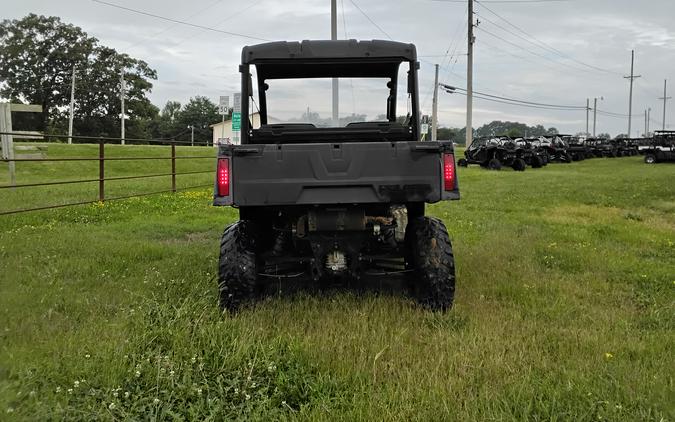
(206, 28)
(505, 1)
(220, 22)
(571, 107)
(534, 53)
(460, 29)
(370, 20)
(155, 35)
(351, 81)
(525, 39)
(480, 97)
(542, 43)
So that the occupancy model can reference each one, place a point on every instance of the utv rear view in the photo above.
(321, 199)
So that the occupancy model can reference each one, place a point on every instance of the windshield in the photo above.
(310, 101)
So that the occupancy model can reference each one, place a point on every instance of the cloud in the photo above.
(600, 33)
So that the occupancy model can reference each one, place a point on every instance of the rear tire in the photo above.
(433, 285)
(519, 165)
(537, 162)
(462, 162)
(650, 159)
(494, 164)
(237, 268)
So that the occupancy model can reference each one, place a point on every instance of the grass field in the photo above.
(565, 309)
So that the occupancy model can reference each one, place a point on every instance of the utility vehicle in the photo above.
(534, 155)
(661, 148)
(577, 148)
(603, 147)
(323, 199)
(554, 147)
(494, 153)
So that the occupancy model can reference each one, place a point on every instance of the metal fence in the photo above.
(102, 179)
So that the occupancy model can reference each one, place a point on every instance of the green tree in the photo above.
(199, 112)
(37, 56)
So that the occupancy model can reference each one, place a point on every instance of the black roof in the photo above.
(326, 49)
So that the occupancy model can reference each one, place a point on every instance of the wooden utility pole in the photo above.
(469, 79)
(122, 94)
(333, 36)
(587, 110)
(632, 77)
(665, 98)
(434, 110)
(72, 108)
(595, 114)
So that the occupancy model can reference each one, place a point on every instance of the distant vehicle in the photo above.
(534, 155)
(626, 147)
(661, 147)
(603, 147)
(554, 147)
(577, 147)
(495, 153)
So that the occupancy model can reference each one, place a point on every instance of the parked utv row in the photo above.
(494, 153)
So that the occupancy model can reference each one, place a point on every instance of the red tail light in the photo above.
(449, 172)
(223, 177)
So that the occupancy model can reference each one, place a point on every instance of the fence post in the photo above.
(173, 168)
(101, 171)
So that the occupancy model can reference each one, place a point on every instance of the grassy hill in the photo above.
(565, 308)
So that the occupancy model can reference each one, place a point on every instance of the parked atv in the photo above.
(494, 153)
(660, 148)
(534, 156)
(626, 147)
(555, 148)
(603, 147)
(577, 147)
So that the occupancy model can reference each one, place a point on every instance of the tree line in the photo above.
(39, 56)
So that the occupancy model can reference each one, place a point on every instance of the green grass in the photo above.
(565, 310)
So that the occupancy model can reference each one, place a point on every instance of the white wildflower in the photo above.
(248, 397)
(138, 374)
(111, 406)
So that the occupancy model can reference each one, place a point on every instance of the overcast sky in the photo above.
(579, 36)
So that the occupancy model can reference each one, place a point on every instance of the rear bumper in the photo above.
(337, 173)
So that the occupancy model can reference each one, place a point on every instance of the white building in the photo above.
(222, 131)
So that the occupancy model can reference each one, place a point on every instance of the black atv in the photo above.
(333, 203)
(660, 148)
(494, 153)
(577, 147)
(533, 154)
(603, 147)
(555, 147)
(626, 147)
